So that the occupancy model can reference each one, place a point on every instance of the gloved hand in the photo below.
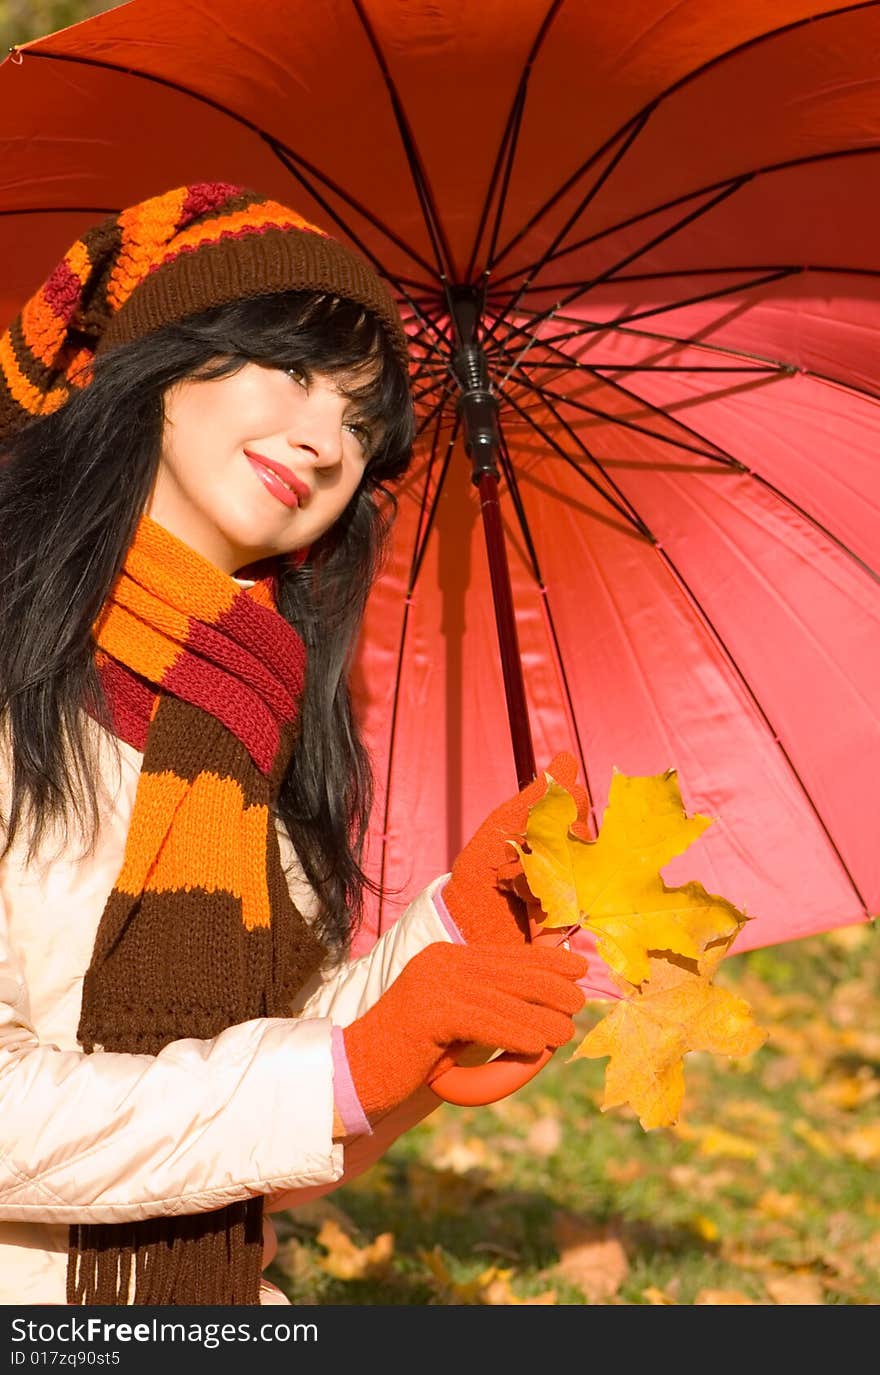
(520, 1000)
(484, 913)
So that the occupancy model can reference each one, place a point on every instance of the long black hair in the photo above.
(73, 486)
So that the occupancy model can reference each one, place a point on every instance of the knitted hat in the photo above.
(157, 262)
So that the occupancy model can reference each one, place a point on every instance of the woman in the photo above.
(198, 409)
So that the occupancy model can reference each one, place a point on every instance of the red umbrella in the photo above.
(635, 248)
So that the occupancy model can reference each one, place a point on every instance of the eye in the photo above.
(362, 433)
(299, 375)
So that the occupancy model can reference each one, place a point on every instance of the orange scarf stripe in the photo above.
(191, 858)
(129, 640)
(189, 583)
(158, 615)
(157, 799)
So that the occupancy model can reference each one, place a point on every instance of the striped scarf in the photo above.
(199, 932)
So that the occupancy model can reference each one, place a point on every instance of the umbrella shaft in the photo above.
(511, 662)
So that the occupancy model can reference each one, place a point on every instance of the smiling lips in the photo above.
(281, 481)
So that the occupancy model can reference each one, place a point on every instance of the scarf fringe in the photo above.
(207, 1258)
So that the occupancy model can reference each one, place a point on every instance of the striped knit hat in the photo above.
(157, 262)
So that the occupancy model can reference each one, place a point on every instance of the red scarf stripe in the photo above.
(240, 710)
(130, 700)
(211, 644)
(257, 626)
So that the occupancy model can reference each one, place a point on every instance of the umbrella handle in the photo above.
(472, 1086)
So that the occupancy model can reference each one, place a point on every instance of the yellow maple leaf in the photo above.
(612, 885)
(647, 1035)
(662, 944)
(347, 1261)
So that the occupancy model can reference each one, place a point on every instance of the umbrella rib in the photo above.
(547, 396)
(721, 457)
(426, 524)
(275, 144)
(432, 414)
(295, 165)
(622, 507)
(575, 366)
(595, 327)
(518, 506)
(628, 277)
(659, 337)
(508, 145)
(707, 621)
(401, 645)
(546, 256)
(728, 190)
(506, 153)
(433, 223)
(697, 72)
(615, 228)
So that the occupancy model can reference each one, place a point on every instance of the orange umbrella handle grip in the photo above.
(471, 1086)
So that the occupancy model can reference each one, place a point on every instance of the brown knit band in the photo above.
(158, 262)
(232, 269)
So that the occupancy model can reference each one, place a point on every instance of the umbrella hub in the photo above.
(477, 403)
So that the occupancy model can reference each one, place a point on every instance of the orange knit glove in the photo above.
(519, 1000)
(484, 913)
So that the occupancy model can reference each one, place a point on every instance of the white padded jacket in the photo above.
(112, 1137)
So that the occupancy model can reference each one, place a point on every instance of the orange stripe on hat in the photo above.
(146, 230)
(44, 330)
(23, 392)
(255, 218)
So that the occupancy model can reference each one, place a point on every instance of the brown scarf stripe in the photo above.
(199, 932)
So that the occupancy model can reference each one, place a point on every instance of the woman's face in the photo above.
(234, 447)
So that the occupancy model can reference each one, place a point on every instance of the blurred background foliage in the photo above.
(23, 20)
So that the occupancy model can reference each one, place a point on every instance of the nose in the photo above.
(316, 430)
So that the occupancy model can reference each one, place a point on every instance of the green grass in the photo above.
(765, 1191)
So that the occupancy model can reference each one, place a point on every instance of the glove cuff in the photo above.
(446, 919)
(345, 1096)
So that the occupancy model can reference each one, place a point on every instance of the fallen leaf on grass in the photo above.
(658, 1297)
(544, 1137)
(712, 1297)
(715, 1141)
(432, 1192)
(816, 1140)
(795, 1289)
(491, 1287)
(347, 1261)
(592, 1257)
(625, 1171)
(862, 1144)
(772, 1203)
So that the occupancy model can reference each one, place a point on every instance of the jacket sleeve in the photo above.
(347, 992)
(350, 991)
(111, 1137)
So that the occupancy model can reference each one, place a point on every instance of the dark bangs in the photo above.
(319, 333)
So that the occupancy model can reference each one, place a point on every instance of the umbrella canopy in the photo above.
(642, 237)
